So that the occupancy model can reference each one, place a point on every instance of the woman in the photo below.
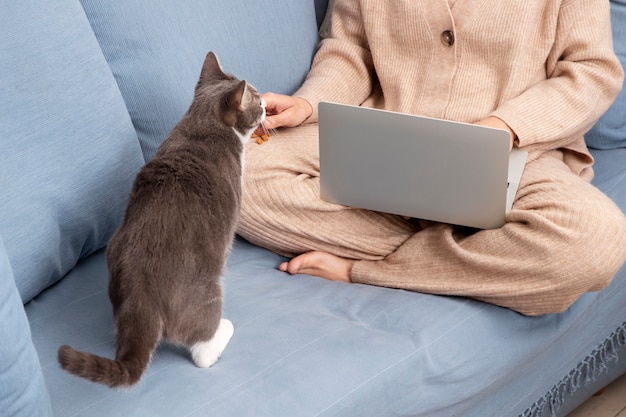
(543, 70)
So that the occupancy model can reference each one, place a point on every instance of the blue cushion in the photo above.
(69, 150)
(156, 49)
(305, 346)
(22, 388)
(610, 131)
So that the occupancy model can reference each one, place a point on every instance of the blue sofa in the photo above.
(88, 90)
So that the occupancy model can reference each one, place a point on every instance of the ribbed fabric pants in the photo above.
(562, 238)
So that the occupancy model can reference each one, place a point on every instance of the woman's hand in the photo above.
(493, 121)
(285, 111)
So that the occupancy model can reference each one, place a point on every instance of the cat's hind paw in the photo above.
(205, 354)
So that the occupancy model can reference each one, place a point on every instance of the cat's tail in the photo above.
(131, 361)
(113, 373)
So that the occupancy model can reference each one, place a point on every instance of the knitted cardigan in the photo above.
(545, 67)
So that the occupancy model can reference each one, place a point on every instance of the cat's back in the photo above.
(185, 200)
(186, 173)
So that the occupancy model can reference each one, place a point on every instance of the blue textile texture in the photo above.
(610, 131)
(588, 370)
(22, 389)
(305, 346)
(156, 49)
(69, 150)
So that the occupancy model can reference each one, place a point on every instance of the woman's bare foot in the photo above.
(320, 264)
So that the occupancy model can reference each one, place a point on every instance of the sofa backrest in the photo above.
(68, 149)
(156, 47)
(610, 131)
(87, 86)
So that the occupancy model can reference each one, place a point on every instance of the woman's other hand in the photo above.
(493, 121)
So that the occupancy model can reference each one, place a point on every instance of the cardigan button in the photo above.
(447, 38)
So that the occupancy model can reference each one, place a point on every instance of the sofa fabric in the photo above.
(304, 346)
(156, 47)
(22, 388)
(610, 131)
(69, 150)
(88, 90)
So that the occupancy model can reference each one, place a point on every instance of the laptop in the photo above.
(419, 167)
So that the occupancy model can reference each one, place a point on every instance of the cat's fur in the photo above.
(166, 259)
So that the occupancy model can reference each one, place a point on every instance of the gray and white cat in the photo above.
(166, 259)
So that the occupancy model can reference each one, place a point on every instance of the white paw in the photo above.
(205, 354)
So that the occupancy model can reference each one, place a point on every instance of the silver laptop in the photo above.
(414, 166)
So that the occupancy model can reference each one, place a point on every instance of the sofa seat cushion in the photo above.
(156, 50)
(304, 346)
(69, 150)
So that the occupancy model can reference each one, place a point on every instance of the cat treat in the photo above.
(260, 138)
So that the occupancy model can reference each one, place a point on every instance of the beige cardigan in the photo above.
(545, 67)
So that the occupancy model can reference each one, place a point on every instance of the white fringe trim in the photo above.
(586, 371)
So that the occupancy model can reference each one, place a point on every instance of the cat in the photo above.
(166, 259)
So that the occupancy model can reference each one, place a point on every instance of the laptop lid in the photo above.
(415, 166)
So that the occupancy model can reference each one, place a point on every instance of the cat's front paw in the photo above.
(205, 354)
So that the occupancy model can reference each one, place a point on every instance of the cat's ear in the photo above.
(233, 102)
(235, 98)
(211, 67)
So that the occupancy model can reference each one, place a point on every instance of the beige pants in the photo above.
(562, 238)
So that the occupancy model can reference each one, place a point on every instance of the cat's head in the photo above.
(237, 104)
